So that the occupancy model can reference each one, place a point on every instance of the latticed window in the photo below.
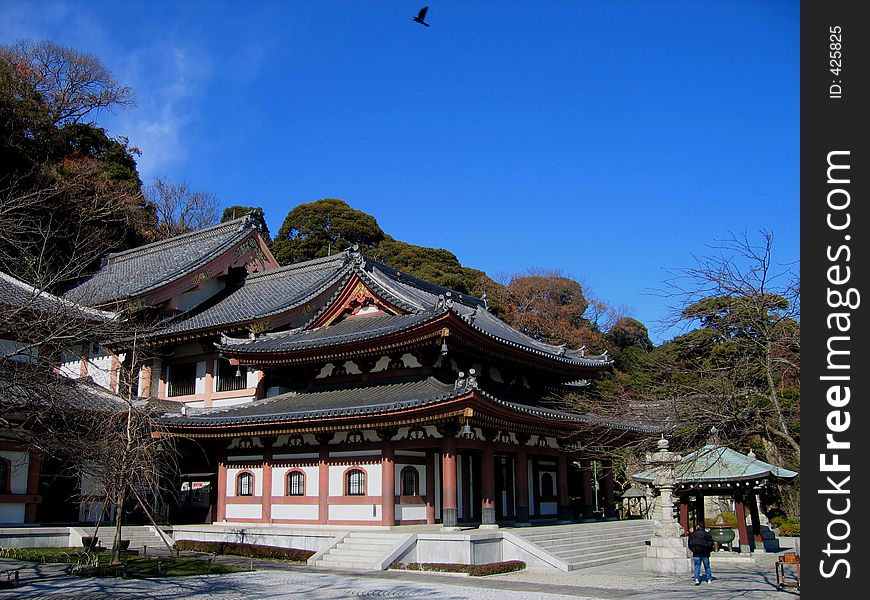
(181, 379)
(355, 483)
(245, 484)
(295, 483)
(230, 378)
(410, 482)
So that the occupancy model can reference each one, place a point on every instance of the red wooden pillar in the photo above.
(564, 503)
(388, 486)
(323, 479)
(267, 487)
(222, 490)
(448, 482)
(487, 489)
(588, 492)
(33, 469)
(430, 487)
(521, 481)
(740, 509)
(684, 515)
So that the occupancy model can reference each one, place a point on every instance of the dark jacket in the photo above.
(700, 542)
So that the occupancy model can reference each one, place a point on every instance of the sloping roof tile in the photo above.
(135, 272)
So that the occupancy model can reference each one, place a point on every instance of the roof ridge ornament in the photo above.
(472, 379)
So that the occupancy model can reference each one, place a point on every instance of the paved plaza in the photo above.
(748, 581)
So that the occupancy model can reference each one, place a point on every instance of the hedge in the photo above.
(247, 550)
(474, 570)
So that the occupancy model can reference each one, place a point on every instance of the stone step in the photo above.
(591, 544)
(333, 561)
(573, 547)
(595, 539)
(573, 557)
(343, 551)
(596, 562)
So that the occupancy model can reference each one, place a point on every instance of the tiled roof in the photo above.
(17, 294)
(354, 400)
(377, 326)
(51, 389)
(714, 463)
(264, 294)
(135, 272)
(340, 401)
(349, 330)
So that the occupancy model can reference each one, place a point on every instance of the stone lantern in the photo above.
(667, 552)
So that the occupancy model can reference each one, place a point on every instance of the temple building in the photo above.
(340, 391)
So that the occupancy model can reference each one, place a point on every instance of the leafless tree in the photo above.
(73, 84)
(745, 298)
(181, 209)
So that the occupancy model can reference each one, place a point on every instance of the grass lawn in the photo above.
(143, 567)
(139, 567)
(46, 555)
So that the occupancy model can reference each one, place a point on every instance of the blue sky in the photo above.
(608, 139)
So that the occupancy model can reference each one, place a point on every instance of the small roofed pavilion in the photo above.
(716, 470)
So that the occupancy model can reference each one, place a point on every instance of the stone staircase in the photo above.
(362, 550)
(139, 536)
(587, 545)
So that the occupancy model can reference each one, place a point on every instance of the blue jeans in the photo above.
(706, 560)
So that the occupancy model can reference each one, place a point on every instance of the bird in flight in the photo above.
(421, 16)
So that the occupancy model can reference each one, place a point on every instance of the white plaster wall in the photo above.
(421, 477)
(295, 511)
(100, 368)
(411, 512)
(279, 480)
(244, 511)
(156, 373)
(253, 377)
(201, 293)
(71, 365)
(232, 401)
(231, 480)
(19, 463)
(355, 512)
(90, 510)
(373, 479)
(200, 377)
(12, 513)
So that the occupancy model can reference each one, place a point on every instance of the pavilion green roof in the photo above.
(719, 464)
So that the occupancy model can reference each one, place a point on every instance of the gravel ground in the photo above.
(260, 585)
(747, 581)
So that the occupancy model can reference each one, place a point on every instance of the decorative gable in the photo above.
(356, 300)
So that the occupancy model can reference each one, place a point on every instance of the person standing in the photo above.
(701, 544)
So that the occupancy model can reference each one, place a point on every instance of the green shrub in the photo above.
(727, 518)
(473, 570)
(247, 550)
(789, 527)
